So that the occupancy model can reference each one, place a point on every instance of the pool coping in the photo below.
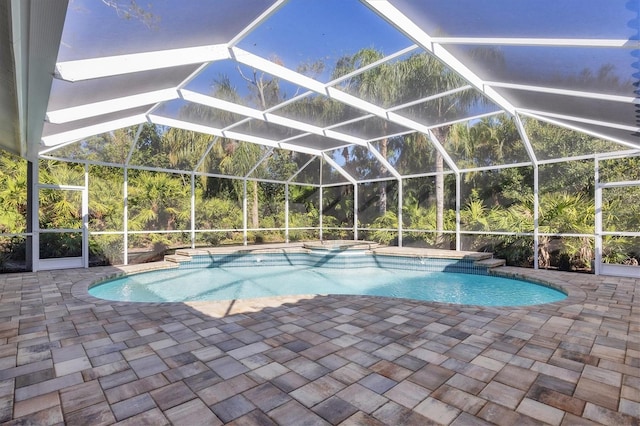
(575, 295)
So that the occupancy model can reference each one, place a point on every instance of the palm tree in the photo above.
(13, 193)
(157, 201)
(105, 199)
(184, 147)
(243, 156)
(377, 85)
(562, 212)
(420, 75)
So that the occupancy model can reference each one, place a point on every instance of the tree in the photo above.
(379, 86)
(417, 76)
(13, 193)
(157, 201)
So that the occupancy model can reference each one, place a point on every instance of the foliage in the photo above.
(13, 194)
(499, 199)
(385, 228)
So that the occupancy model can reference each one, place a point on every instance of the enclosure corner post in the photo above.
(32, 238)
(125, 221)
(193, 210)
(458, 220)
(355, 212)
(244, 213)
(286, 212)
(598, 219)
(400, 212)
(536, 215)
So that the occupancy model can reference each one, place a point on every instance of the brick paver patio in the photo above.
(66, 357)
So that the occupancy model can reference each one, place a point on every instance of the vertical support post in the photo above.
(193, 210)
(400, 202)
(458, 203)
(244, 213)
(33, 220)
(355, 212)
(85, 218)
(536, 215)
(286, 212)
(31, 188)
(125, 221)
(598, 218)
(320, 197)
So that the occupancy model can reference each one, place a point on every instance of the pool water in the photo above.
(227, 283)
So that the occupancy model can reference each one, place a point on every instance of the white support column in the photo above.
(244, 212)
(320, 199)
(193, 210)
(355, 211)
(458, 206)
(598, 218)
(400, 192)
(125, 220)
(35, 217)
(536, 216)
(85, 219)
(286, 212)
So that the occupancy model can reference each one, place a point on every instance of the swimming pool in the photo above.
(250, 276)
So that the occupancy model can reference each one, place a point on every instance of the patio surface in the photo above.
(66, 357)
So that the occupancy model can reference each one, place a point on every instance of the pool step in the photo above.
(433, 253)
(491, 263)
(177, 258)
(481, 259)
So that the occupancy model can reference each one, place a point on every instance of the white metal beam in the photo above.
(427, 131)
(256, 22)
(84, 132)
(565, 92)
(374, 64)
(134, 143)
(199, 98)
(339, 169)
(260, 161)
(402, 22)
(431, 98)
(533, 41)
(544, 115)
(210, 101)
(249, 138)
(180, 124)
(333, 134)
(465, 119)
(384, 162)
(300, 170)
(280, 71)
(66, 115)
(554, 119)
(251, 60)
(298, 148)
(620, 184)
(206, 152)
(525, 139)
(84, 69)
(44, 151)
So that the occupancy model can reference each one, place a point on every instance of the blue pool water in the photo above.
(227, 283)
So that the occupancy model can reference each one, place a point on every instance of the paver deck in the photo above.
(68, 358)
